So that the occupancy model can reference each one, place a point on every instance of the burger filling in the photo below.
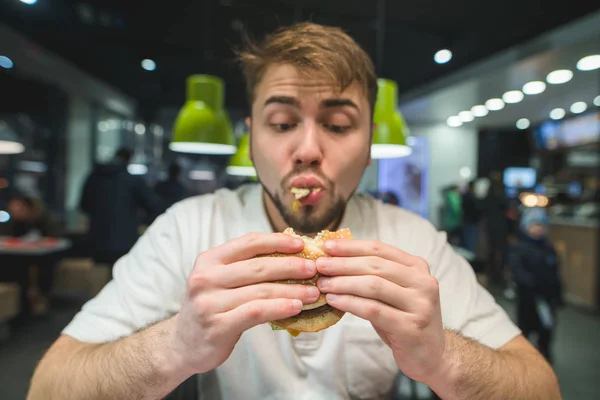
(300, 193)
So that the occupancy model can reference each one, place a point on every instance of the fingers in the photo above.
(261, 269)
(358, 248)
(230, 299)
(259, 312)
(370, 287)
(379, 314)
(369, 265)
(254, 244)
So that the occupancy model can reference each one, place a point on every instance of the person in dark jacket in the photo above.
(112, 198)
(535, 269)
(172, 190)
(471, 210)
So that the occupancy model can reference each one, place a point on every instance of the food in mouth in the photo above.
(318, 315)
(300, 193)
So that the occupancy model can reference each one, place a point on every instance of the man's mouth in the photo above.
(301, 193)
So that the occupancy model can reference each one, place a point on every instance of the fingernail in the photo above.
(297, 304)
(323, 283)
(331, 297)
(329, 245)
(313, 291)
(323, 262)
(310, 265)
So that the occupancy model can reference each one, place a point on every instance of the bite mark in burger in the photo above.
(318, 315)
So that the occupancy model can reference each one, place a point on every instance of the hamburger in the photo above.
(318, 315)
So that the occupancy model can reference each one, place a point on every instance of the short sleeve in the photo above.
(467, 307)
(147, 286)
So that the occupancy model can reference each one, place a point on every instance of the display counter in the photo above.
(576, 241)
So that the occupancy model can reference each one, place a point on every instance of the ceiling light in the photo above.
(466, 116)
(479, 111)
(442, 56)
(513, 96)
(201, 175)
(454, 121)
(494, 104)
(559, 76)
(148, 65)
(597, 101)
(557, 113)
(6, 62)
(4, 217)
(523, 123)
(534, 87)
(137, 169)
(29, 2)
(589, 63)
(140, 129)
(465, 172)
(579, 107)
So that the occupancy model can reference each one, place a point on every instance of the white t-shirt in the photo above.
(348, 360)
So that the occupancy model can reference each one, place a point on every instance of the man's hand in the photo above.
(229, 291)
(395, 292)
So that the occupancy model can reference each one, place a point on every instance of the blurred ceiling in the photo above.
(110, 38)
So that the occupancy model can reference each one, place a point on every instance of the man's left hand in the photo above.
(393, 290)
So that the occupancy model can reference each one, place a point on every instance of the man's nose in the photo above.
(309, 148)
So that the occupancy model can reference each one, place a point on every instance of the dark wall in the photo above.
(502, 148)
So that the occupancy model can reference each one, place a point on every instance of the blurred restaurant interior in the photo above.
(503, 96)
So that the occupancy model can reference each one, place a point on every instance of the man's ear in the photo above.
(249, 125)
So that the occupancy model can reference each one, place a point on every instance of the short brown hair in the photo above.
(315, 50)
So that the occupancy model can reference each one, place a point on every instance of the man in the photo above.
(112, 198)
(190, 298)
(172, 190)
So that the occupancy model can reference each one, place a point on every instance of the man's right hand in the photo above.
(230, 291)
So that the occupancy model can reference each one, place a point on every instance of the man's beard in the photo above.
(306, 220)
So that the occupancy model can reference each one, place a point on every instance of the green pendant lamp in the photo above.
(240, 163)
(389, 138)
(9, 144)
(203, 126)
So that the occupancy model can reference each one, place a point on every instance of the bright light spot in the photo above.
(465, 172)
(542, 201)
(137, 169)
(454, 121)
(103, 126)
(579, 107)
(597, 101)
(494, 104)
(379, 151)
(513, 96)
(534, 87)
(523, 123)
(442, 56)
(241, 171)
(29, 2)
(148, 65)
(466, 116)
(480, 111)
(557, 113)
(529, 200)
(199, 175)
(203, 148)
(140, 129)
(4, 217)
(559, 76)
(6, 62)
(589, 63)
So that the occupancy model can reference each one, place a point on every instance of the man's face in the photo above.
(537, 231)
(19, 211)
(304, 134)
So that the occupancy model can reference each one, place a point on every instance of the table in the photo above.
(24, 261)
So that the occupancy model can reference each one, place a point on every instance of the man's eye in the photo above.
(337, 128)
(283, 127)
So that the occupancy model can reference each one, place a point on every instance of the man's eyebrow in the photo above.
(286, 100)
(341, 102)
